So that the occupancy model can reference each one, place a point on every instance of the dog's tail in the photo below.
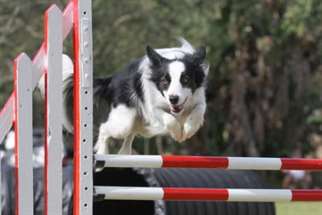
(101, 99)
(68, 70)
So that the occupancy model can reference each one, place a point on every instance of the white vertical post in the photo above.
(23, 131)
(83, 105)
(54, 102)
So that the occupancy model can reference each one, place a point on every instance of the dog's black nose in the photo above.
(174, 99)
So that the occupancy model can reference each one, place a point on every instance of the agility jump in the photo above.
(18, 111)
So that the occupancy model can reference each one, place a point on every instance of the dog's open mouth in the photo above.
(177, 108)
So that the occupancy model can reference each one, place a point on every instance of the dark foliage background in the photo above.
(265, 79)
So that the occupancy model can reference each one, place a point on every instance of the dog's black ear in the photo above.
(200, 55)
(154, 57)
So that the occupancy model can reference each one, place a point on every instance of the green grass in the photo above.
(299, 208)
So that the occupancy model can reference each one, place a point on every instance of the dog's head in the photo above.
(178, 78)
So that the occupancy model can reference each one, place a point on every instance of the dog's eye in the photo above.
(185, 79)
(164, 82)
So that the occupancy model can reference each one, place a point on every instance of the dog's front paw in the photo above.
(174, 128)
(189, 129)
(175, 131)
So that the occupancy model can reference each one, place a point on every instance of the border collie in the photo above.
(162, 93)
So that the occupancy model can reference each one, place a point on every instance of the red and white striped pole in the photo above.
(207, 194)
(233, 163)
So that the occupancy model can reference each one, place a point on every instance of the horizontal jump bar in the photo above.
(206, 194)
(233, 163)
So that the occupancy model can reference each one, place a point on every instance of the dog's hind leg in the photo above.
(126, 148)
(103, 140)
(101, 147)
(119, 126)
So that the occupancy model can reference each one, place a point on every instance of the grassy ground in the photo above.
(299, 208)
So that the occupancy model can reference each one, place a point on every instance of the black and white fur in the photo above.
(162, 93)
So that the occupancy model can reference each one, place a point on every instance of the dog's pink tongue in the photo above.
(176, 109)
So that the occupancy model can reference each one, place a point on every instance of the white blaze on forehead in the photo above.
(175, 70)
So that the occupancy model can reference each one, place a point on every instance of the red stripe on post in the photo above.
(76, 174)
(194, 161)
(303, 164)
(195, 194)
(307, 195)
